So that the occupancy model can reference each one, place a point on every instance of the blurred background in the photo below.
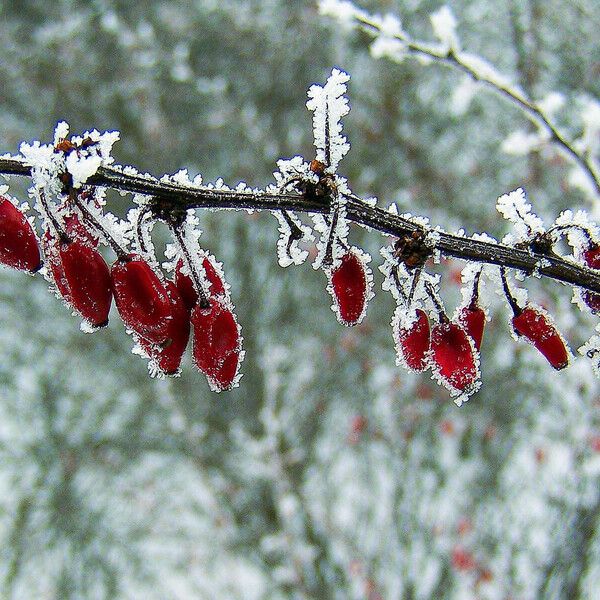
(330, 472)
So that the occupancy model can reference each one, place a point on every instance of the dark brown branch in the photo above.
(181, 197)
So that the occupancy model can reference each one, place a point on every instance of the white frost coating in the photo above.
(463, 95)
(386, 47)
(288, 250)
(515, 208)
(521, 143)
(3, 190)
(579, 228)
(329, 105)
(444, 27)
(364, 259)
(590, 116)
(82, 168)
(343, 10)
(551, 103)
(485, 70)
(142, 235)
(591, 349)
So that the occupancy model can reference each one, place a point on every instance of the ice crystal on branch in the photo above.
(329, 105)
(515, 208)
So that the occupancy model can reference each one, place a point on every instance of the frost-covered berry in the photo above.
(453, 355)
(81, 276)
(412, 341)
(167, 355)
(472, 319)
(349, 285)
(217, 343)
(185, 285)
(536, 327)
(141, 298)
(19, 247)
(591, 257)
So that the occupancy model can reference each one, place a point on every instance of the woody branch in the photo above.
(175, 197)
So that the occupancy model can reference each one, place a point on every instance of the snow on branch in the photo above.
(393, 42)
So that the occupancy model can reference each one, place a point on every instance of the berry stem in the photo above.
(203, 300)
(509, 297)
(93, 221)
(475, 293)
(50, 216)
(437, 303)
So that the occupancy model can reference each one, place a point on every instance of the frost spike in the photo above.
(349, 284)
(19, 247)
(141, 298)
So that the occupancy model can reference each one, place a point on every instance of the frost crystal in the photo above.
(515, 208)
(444, 27)
(291, 231)
(591, 349)
(329, 105)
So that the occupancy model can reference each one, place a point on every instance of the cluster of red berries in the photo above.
(158, 311)
(450, 348)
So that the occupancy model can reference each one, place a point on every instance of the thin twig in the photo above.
(460, 62)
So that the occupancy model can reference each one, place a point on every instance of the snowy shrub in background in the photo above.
(329, 473)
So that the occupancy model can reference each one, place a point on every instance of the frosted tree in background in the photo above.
(329, 472)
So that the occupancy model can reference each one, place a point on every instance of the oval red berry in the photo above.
(453, 356)
(141, 298)
(19, 247)
(535, 326)
(472, 318)
(413, 342)
(349, 287)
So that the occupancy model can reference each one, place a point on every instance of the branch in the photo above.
(480, 71)
(173, 197)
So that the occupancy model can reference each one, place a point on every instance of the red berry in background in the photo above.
(412, 343)
(472, 319)
(454, 358)
(217, 343)
(591, 257)
(19, 247)
(186, 286)
(349, 288)
(141, 298)
(81, 276)
(534, 325)
(167, 355)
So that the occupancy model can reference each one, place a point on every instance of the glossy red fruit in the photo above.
(82, 277)
(533, 324)
(167, 356)
(141, 298)
(472, 319)
(454, 356)
(19, 247)
(591, 257)
(186, 287)
(217, 343)
(349, 288)
(412, 343)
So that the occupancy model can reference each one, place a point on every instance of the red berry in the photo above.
(217, 343)
(472, 319)
(167, 355)
(534, 325)
(462, 560)
(141, 298)
(19, 247)
(454, 356)
(348, 285)
(81, 276)
(186, 286)
(591, 257)
(412, 343)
